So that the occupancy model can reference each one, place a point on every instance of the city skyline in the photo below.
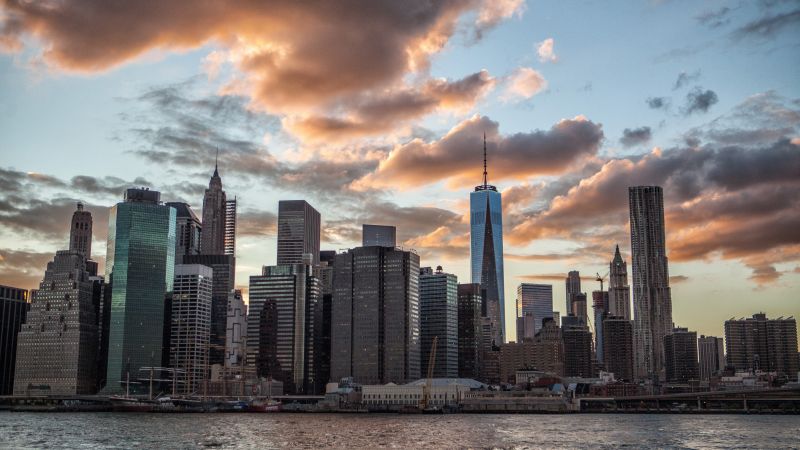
(712, 117)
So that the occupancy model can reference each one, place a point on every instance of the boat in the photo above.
(263, 406)
(131, 404)
(234, 406)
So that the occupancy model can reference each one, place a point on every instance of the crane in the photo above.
(426, 391)
(601, 279)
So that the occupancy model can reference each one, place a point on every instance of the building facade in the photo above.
(230, 227)
(577, 351)
(375, 331)
(486, 251)
(380, 235)
(536, 299)
(470, 298)
(80, 233)
(618, 339)
(236, 331)
(57, 345)
(13, 310)
(438, 299)
(599, 305)
(652, 301)
(140, 266)
(191, 325)
(757, 343)
(281, 325)
(711, 353)
(619, 293)
(187, 230)
(572, 285)
(298, 232)
(680, 356)
(214, 208)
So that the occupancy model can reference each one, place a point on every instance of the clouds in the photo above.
(657, 102)
(545, 51)
(699, 100)
(636, 136)
(685, 78)
(524, 83)
(457, 155)
(767, 26)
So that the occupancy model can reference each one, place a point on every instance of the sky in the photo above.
(374, 111)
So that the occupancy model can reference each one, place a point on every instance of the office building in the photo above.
(599, 305)
(711, 353)
(577, 351)
(57, 345)
(191, 325)
(375, 335)
(236, 331)
(13, 310)
(187, 230)
(680, 356)
(486, 251)
(230, 227)
(572, 286)
(80, 233)
(758, 343)
(281, 325)
(618, 339)
(536, 299)
(438, 300)
(224, 268)
(101, 301)
(525, 327)
(380, 235)
(322, 347)
(140, 265)
(298, 232)
(619, 293)
(214, 209)
(470, 298)
(545, 352)
(652, 302)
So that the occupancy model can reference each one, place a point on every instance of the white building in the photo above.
(191, 324)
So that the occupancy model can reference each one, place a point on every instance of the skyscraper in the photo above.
(619, 293)
(80, 233)
(375, 335)
(187, 230)
(577, 351)
(214, 208)
(281, 325)
(298, 232)
(236, 333)
(13, 309)
(486, 250)
(680, 356)
(380, 235)
(536, 299)
(438, 299)
(652, 302)
(470, 298)
(618, 339)
(573, 288)
(759, 343)
(711, 353)
(57, 346)
(230, 226)
(600, 305)
(140, 265)
(191, 324)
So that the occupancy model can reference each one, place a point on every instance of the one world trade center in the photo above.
(486, 251)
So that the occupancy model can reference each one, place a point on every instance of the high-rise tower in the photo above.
(652, 302)
(298, 232)
(619, 293)
(573, 288)
(230, 227)
(214, 207)
(486, 250)
(80, 233)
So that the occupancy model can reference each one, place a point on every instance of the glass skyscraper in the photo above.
(486, 250)
(140, 264)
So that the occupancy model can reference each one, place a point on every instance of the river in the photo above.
(312, 431)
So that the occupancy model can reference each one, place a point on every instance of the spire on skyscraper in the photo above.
(216, 164)
(485, 177)
(617, 256)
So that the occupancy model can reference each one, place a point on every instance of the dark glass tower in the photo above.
(438, 299)
(13, 309)
(486, 251)
(298, 232)
(140, 264)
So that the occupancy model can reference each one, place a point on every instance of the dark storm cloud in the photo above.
(699, 100)
(636, 136)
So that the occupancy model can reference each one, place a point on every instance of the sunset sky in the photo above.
(374, 112)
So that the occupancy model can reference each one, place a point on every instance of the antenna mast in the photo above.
(485, 177)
